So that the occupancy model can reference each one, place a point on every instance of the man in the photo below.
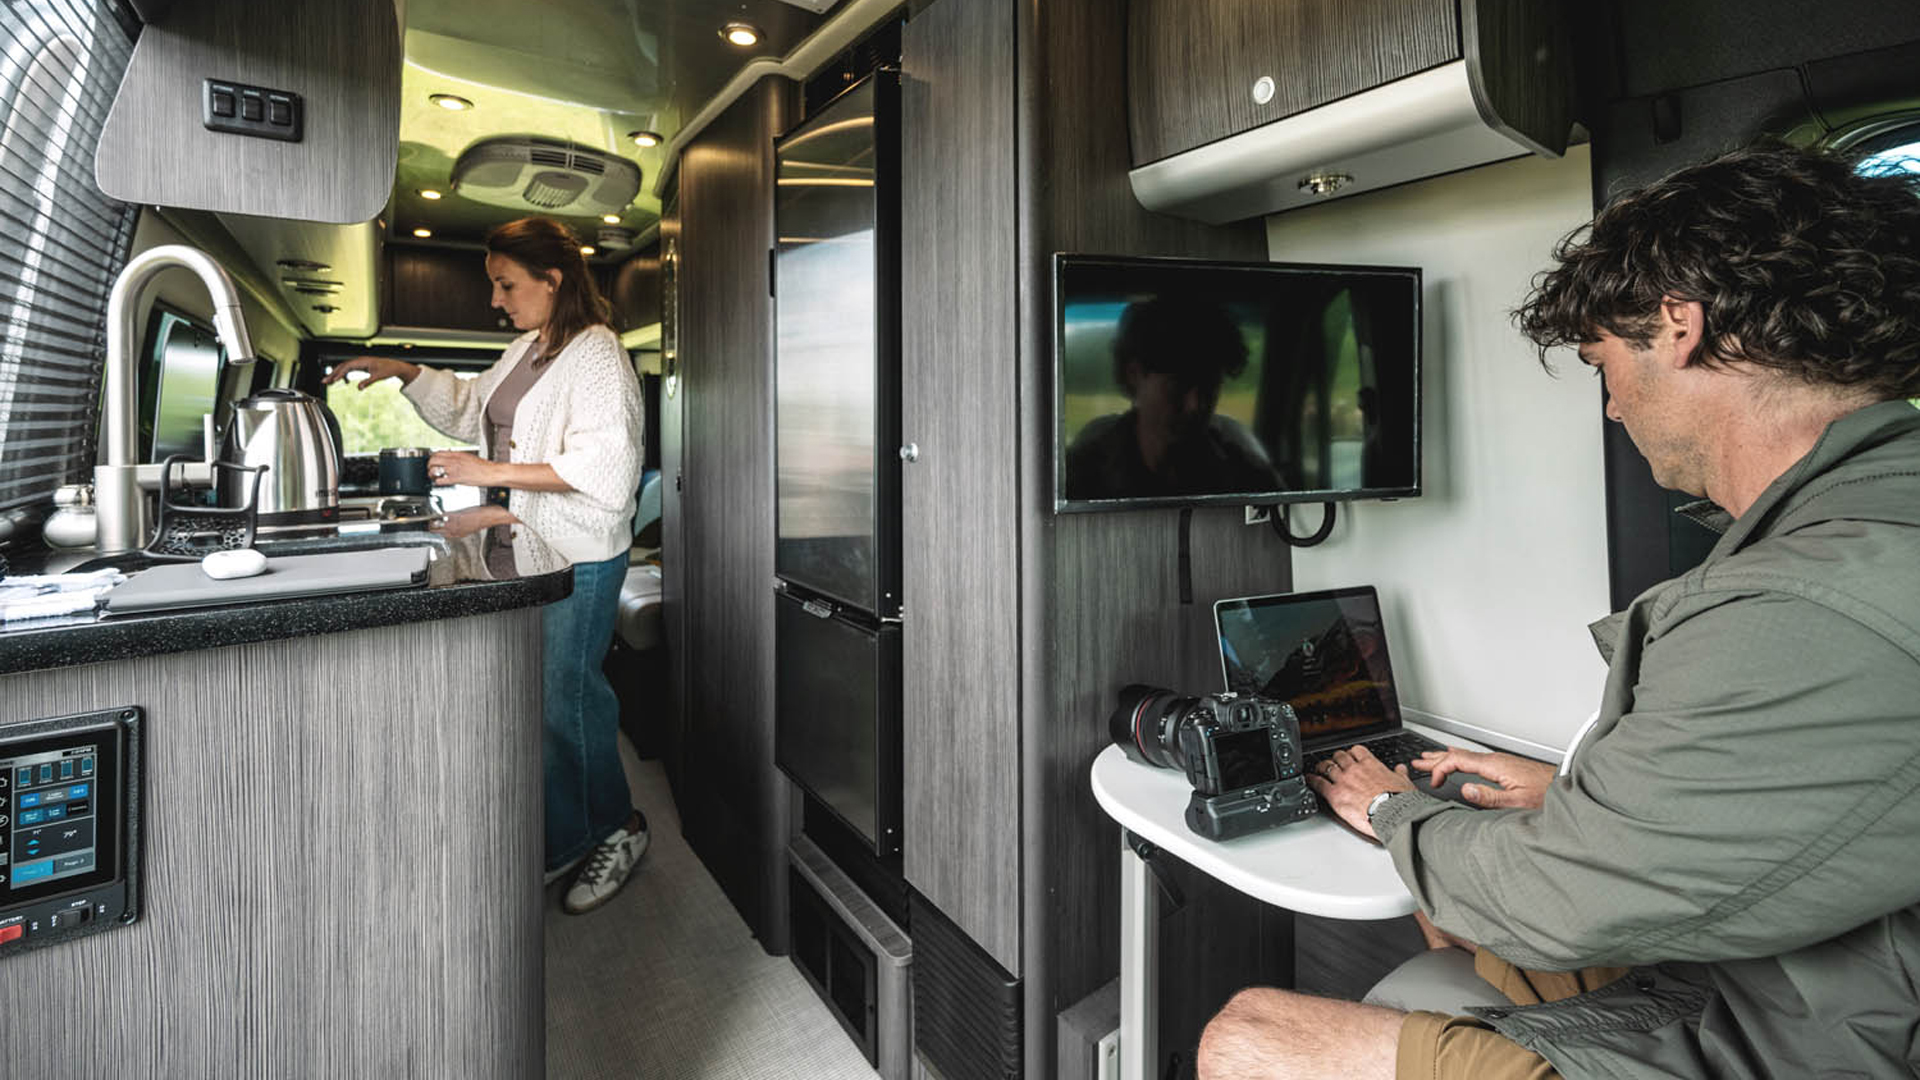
(1171, 355)
(1728, 878)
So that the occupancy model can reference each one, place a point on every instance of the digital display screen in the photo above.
(1183, 383)
(1246, 759)
(57, 820)
(1323, 653)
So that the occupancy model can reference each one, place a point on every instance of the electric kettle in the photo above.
(297, 438)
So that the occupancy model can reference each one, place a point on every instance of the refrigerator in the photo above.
(836, 462)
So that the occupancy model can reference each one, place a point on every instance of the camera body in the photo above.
(1241, 754)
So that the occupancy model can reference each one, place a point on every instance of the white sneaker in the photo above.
(606, 870)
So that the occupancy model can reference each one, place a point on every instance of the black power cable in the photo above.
(1277, 520)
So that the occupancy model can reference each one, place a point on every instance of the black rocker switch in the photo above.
(240, 109)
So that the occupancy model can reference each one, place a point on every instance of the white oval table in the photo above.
(1317, 867)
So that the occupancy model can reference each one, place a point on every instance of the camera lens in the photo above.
(1146, 724)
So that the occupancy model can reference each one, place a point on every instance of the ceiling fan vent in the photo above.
(529, 172)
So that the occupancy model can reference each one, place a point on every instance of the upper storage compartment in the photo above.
(329, 68)
(1245, 107)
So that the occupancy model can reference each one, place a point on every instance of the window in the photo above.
(182, 369)
(61, 240)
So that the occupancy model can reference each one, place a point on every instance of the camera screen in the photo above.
(1246, 759)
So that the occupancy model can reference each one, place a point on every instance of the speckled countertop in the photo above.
(458, 586)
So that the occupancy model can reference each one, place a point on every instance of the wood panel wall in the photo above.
(341, 56)
(959, 403)
(733, 802)
(1100, 595)
(342, 861)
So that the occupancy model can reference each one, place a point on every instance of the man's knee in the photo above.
(1230, 1043)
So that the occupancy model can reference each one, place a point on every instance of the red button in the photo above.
(11, 933)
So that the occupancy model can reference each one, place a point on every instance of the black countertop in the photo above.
(458, 585)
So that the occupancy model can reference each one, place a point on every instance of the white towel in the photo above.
(42, 596)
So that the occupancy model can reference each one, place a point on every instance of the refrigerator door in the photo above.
(837, 715)
(836, 380)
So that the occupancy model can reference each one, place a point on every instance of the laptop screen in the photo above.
(1324, 653)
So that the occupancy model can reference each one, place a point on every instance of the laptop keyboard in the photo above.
(1392, 750)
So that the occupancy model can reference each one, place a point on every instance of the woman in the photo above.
(559, 423)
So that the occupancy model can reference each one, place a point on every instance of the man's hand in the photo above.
(1350, 779)
(1523, 783)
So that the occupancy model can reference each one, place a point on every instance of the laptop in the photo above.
(1324, 653)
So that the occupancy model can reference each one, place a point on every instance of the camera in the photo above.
(1241, 754)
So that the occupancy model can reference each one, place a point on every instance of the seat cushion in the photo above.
(1438, 980)
(639, 623)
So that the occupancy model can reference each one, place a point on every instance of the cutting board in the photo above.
(185, 585)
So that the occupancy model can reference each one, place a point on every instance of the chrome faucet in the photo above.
(118, 503)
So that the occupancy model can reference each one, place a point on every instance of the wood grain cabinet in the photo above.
(1204, 70)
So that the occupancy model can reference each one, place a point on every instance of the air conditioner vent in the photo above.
(529, 172)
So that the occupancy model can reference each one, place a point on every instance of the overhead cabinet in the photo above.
(1244, 107)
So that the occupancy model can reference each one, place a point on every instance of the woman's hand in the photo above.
(376, 367)
(464, 523)
(462, 467)
(1523, 783)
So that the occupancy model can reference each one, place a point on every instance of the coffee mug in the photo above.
(403, 471)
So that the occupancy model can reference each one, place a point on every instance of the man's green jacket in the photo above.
(1742, 824)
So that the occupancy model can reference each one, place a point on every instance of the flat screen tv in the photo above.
(1186, 383)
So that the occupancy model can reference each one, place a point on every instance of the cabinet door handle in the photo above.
(910, 453)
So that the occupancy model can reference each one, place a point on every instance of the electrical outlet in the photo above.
(1107, 1056)
(1259, 515)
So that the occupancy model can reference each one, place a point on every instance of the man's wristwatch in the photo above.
(1378, 801)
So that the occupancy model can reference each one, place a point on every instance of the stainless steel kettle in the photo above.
(297, 438)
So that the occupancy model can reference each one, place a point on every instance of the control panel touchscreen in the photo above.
(65, 825)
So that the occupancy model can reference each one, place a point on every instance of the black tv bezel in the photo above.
(1064, 260)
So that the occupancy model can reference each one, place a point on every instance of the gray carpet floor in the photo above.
(665, 983)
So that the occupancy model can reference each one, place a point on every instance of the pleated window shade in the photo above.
(61, 240)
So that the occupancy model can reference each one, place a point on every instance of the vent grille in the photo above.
(582, 163)
(966, 1008)
(540, 155)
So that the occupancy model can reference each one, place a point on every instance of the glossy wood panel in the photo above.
(442, 288)
(1193, 63)
(1520, 60)
(341, 56)
(342, 855)
(960, 626)
(733, 802)
(1100, 592)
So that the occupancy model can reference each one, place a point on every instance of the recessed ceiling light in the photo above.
(423, 233)
(451, 102)
(644, 139)
(741, 34)
(611, 219)
(586, 249)
(429, 193)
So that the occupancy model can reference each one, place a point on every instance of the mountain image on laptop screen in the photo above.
(1325, 656)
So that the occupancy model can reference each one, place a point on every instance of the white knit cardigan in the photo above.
(584, 418)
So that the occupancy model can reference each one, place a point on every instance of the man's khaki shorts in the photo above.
(1435, 1046)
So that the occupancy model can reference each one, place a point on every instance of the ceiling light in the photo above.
(741, 34)
(429, 193)
(611, 219)
(586, 249)
(450, 102)
(423, 233)
(645, 139)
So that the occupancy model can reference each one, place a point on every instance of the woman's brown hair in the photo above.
(541, 244)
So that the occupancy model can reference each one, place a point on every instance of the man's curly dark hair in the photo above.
(1802, 264)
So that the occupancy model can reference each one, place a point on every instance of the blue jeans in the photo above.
(586, 789)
